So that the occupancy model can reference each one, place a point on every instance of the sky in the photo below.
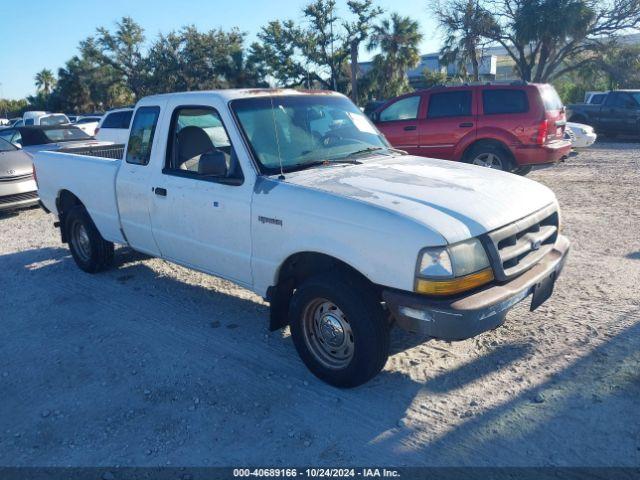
(45, 34)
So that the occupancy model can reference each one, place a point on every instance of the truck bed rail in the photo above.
(115, 152)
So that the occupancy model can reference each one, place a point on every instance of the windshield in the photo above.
(305, 130)
(6, 146)
(65, 134)
(54, 120)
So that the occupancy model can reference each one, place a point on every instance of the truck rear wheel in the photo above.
(91, 252)
(339, 329)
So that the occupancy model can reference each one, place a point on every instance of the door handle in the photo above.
(466, 124)
(160, 191)
(410, 128)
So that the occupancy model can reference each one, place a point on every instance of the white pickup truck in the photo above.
(297, 196)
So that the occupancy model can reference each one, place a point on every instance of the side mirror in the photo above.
(213, 164)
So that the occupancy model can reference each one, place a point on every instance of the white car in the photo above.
(88, 124)
(299, 198)
(44, 118)
(581, 135)
(114, 126)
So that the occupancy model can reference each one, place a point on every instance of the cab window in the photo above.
(199, 146)
(141, 137)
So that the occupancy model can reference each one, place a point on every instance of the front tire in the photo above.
(91, 252)
(339, 329)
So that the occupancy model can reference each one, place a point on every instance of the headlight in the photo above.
(453, 269)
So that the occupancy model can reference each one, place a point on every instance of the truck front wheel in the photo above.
(339, 329)
(91, 252)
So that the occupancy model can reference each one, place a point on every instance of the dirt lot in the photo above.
(152, 364)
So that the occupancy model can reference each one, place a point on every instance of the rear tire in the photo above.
(91, 252)
(339, 329)
(490, 155)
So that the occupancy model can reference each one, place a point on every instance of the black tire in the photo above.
(523, 170)
(364, 317)
(491, 151)
(92, 254)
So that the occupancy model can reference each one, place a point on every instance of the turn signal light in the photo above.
(455, 285)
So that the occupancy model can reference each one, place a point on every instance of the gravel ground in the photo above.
(151, 364)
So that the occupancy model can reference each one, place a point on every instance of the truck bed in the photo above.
(90, 174)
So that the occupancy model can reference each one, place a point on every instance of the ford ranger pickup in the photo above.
(299, 198)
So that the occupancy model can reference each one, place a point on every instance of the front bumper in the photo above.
(466, 316)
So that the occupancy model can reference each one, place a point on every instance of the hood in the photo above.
(454, 199)
(14, 164)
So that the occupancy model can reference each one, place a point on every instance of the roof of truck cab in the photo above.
(233, 94)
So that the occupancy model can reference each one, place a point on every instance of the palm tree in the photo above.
(464, 23)
(398, 39)
(45, 80)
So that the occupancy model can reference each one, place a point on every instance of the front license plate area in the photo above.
(542, 291)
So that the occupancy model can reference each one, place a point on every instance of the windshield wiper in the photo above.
(364, 151)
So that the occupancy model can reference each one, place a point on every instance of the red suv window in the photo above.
(449, 104)
(501, 101)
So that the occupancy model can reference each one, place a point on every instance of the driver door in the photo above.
(201, 205)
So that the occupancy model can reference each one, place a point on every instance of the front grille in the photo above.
(16, 178)
(18, 197)
(520, 245)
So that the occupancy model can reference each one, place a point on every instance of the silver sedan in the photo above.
(17, 186)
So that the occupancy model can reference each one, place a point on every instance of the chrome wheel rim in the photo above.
(489, 160)
(81, 241)
(328, 334)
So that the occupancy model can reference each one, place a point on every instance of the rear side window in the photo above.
(449, 104)
(142, 133)
(550, 98)
(597, 99)
(501, 101)
(405, 109)
(117, 120)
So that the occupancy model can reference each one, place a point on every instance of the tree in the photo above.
(193, 60)
(122, 50)
(45, 80)
(397, 38)
(548, 38)
(357, 32)
(464, 23)
(316, 51)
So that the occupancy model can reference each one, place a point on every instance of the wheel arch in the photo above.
(65, 201)
(501, 144)
(294, 270)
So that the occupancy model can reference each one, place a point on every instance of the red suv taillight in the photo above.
(543, 130)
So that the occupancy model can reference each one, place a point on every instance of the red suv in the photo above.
(510, 127)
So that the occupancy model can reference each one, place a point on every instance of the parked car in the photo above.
(595, 98)
(618, 114)
(44, 118)
(114, 126)
(297, 197)
(17, 186)
(580, 135)
(88, 124)
(507, 127)
(36, 139)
